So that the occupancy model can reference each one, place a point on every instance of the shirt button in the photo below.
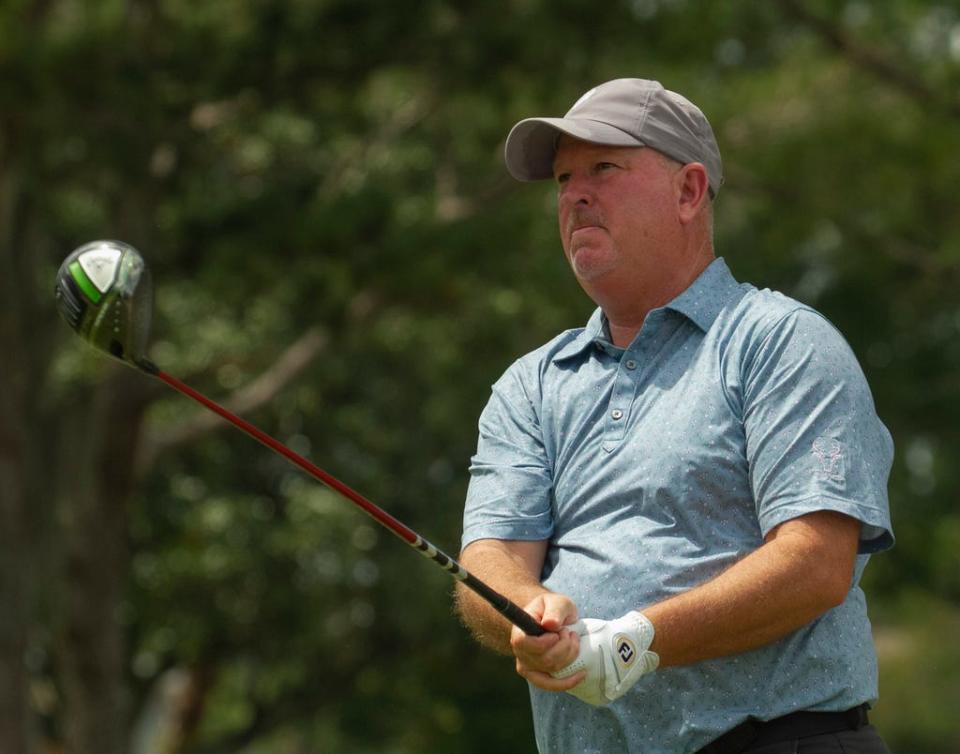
(630, 364)
(616, 414)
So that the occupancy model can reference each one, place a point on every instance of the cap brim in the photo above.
(532, 143)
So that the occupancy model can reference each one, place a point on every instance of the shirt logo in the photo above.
(829, 455)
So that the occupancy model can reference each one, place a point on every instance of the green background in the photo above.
(339, 254)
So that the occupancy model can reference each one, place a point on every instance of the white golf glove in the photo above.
(615, 654)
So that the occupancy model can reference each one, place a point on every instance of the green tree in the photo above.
(340, 255)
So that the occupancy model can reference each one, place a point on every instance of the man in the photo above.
(699, 473)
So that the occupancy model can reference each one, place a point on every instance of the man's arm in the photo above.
(513, 568)
(804, 568)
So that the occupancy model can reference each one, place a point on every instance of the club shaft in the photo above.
(508, 609)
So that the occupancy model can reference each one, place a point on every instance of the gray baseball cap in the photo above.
(622, 113)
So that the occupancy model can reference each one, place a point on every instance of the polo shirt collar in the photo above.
(706, 296)
(596, 331)
(701, 303)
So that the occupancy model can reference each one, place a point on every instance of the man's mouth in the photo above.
(583, 221)
(580, 229)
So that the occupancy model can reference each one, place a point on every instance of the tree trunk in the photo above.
(100, 441)
(14, 582)
(22, 499)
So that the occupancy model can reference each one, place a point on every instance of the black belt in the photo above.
(795, 725)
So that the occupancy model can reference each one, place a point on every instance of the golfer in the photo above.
(685, 491)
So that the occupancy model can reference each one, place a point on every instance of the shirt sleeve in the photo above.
(511, 482)
(814, 441)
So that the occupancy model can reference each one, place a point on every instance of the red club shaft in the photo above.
(504, 606)
(398, 528)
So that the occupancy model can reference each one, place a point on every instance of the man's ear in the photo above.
(693, 190)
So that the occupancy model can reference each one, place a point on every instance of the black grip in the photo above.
(509, 610)
(518, 617)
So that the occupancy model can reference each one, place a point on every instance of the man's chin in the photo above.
(589, 265)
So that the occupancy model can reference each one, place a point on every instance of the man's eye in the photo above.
(605, 166)
(563, 177)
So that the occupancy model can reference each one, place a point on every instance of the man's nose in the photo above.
(577, 190)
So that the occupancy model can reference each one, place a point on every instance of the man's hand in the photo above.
(613, 656)
(538, 657)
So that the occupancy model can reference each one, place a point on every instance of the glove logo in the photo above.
(615, 653)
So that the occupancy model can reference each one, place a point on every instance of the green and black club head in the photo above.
(104, 292)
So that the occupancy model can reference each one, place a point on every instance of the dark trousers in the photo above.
(865, 740)
(803, 732)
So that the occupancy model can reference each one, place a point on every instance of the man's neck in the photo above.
(626, 313)
(623, 335)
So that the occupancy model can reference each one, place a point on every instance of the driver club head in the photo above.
(103, 290)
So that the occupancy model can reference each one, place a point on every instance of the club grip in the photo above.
(524, 621)
(509, 610)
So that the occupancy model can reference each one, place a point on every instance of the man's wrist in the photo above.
(632, 646)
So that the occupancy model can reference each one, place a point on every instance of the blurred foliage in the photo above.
(336, 164)
(919, 672)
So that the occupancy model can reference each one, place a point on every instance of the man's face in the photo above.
(617, 209)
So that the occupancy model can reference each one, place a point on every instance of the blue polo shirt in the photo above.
(652, 469)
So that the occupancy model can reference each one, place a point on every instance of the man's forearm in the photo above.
(512, 568)
(792, 579)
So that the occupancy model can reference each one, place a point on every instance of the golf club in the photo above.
(104, 292)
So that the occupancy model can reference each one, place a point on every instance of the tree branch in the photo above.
(247, 399)
(871, 60)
